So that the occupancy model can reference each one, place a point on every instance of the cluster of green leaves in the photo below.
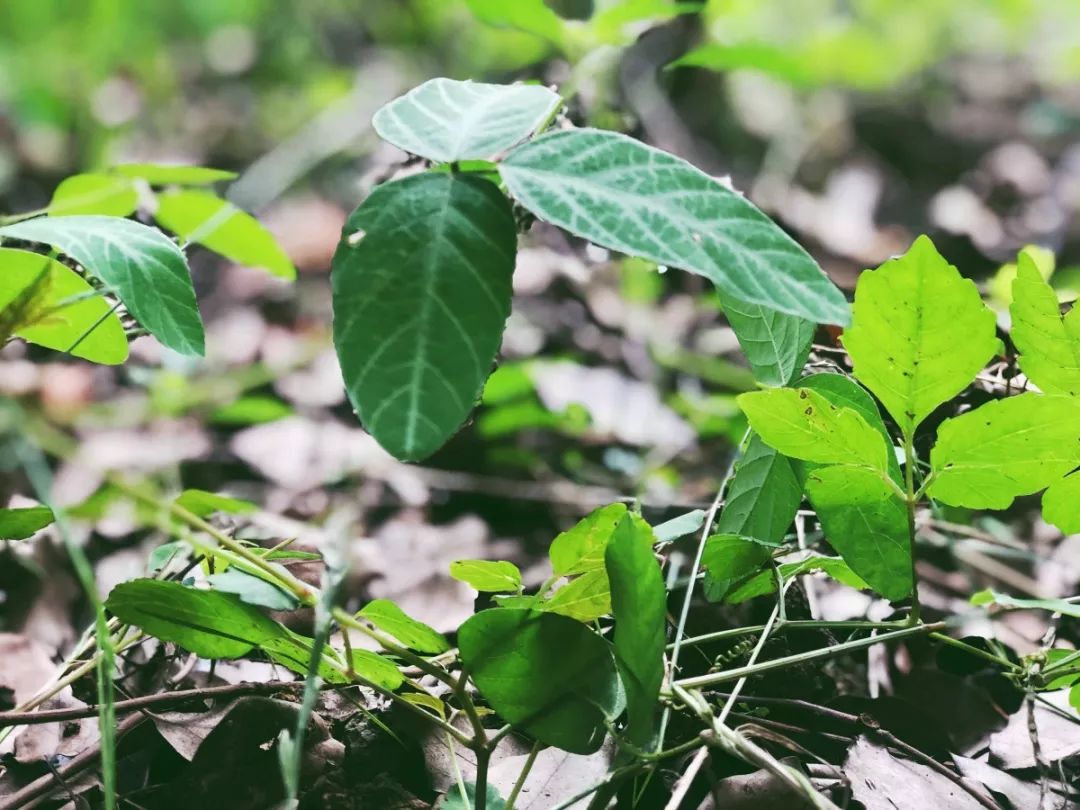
(422, 276)
(44, 301)
(920, 334)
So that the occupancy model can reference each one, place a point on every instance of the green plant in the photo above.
(421, 285)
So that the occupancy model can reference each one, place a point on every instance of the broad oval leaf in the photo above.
(546, 674)
(1061, 504)
(47, 303)
(415, 635)
(422, 286)
(986, 457)
(145, 269)
(920, 333)
(776, 344)
(581, 547)
(866, 521)
(621, 194)
(20, 523)
(447, 121)
(207, 623)
(639, 605)
(104, 194)
(1049, 343)
(803, 424)
(201, 216)
(492, 576)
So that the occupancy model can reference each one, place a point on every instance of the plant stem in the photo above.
(973, 650)
(483, 759)
(1064, 662)
(813, 655)
(791, 624)
(911, 500)
(522, 776)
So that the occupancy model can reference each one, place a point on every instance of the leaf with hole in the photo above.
(24, 522)
(1049, 343)
(145, 269)
(208, 623)
(920, 333)
(639, 605)
(865, 520)
(546, 674)
(196, 215)
(53, 306)
(492, 576)
(421, 287)
(415, 635)
(626, 196)
(450, 121)
(1006, 448)
(803, 424)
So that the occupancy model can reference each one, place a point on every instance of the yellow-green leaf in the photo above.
(414, 634)
(201, 216)
(103, 194)
(494, 576)
(164, 174)
(1061, 504)
(57, 324)
(1049, 344)
(986, 457)
(803, 424)
(919, 334)
(585, 598)
(581, 548)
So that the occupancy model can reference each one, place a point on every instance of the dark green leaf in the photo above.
(546, 674)
(624, 195)
(143, 266)
(391, 619)
(639, 605)
(865, 520)
(763, 497)
(207, 623)
(727, 559)
(421, 295)
(776, 345)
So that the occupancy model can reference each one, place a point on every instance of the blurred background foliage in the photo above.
(857, 124)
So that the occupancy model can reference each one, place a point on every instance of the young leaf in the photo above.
(252, 590)
(546, 674)
(201, 216)
(920, 333)
(727, 559)
(415, 635)
(251, 410)
(102, 194)
(776, 345)
(679, 526)
(449, 121)
(986, 457)
(202, 503)
(621, 194)
(585, 598)
(581, 548)
(161, 174)
(1061, 504)
(19, 524)
(866, 521)
(487, 575)
(843, 392)
(639, 605)
(54, 323)
(763, 497)
(421, 295)
(143, 266)
(207, 623)
(1049, 344)
(803, 424)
